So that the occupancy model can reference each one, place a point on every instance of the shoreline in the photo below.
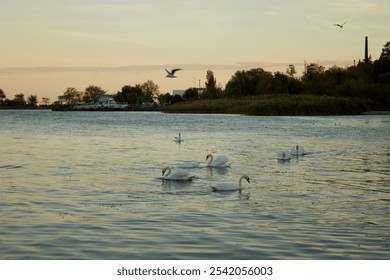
(159, 109)
(376, 113)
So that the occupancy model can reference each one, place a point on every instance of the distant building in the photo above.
(61, 100)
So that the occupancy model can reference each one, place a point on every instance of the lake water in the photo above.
(84, 185)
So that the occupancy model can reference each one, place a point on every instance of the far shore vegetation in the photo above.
(318, 91)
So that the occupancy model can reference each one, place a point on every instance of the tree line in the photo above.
(369, 80)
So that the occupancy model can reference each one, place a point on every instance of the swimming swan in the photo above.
(298, 151)
(178, 139)
(220, 161)
(230, 186)
(284, 155)
(177, 174)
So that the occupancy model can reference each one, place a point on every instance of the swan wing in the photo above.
(220, 161)
(180, 175)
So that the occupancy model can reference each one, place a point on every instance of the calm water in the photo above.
(84, 185)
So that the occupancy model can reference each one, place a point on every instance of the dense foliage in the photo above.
(365, 86)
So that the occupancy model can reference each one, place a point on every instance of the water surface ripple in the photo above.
(84, 185)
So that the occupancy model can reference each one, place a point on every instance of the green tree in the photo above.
(279, 83)
(382, 66)
(72, 95)
(176, 98)
(32, 100)
(291, 70)
(92, 94)
(314, 79)
(150, 91)
(191, 93)
(45, 101)
(211, 91)
(19, 100)
(313, 71)
(130, 94)
(2, 96)
(248, 83)
(385, 52)
(164, 98)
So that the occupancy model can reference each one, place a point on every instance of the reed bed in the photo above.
(274, 105)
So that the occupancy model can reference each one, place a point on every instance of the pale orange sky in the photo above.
(48, 45)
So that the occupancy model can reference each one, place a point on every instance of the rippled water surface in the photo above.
(84, 185)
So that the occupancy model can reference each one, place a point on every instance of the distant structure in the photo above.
(179, 92)
(366, 51)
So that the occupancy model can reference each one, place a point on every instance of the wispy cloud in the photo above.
(267, 66)
(134, 8)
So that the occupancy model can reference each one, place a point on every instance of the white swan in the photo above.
(284, 155)
(220, 161)
(298, 151)
(230, 186)
(177, 174)
(178, 139)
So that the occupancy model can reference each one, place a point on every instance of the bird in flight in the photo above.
(171, 74)
(340, 25)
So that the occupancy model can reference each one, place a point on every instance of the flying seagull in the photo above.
(171, 74)
(340, 25)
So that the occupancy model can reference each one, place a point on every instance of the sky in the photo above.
(50, 45)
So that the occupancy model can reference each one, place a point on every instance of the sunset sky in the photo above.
(49, 45)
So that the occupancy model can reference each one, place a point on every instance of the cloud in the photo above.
(125, 8)
(267, 66)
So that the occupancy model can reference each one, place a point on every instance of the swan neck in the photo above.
(210, 159)
(240, 181)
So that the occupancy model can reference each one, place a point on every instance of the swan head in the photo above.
(165, 170)
(246, 177)
(209, 156)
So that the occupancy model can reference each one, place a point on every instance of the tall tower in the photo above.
(366, 51)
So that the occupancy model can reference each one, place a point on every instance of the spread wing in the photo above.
(174, 70)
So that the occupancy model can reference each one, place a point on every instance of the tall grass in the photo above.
(277, 104)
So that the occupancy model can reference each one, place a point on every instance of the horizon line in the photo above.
(159, 67)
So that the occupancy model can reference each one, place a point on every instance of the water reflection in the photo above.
(68, 178)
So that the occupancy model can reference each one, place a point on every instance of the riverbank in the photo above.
(275, 105)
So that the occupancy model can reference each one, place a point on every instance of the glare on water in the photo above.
(85, 185)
